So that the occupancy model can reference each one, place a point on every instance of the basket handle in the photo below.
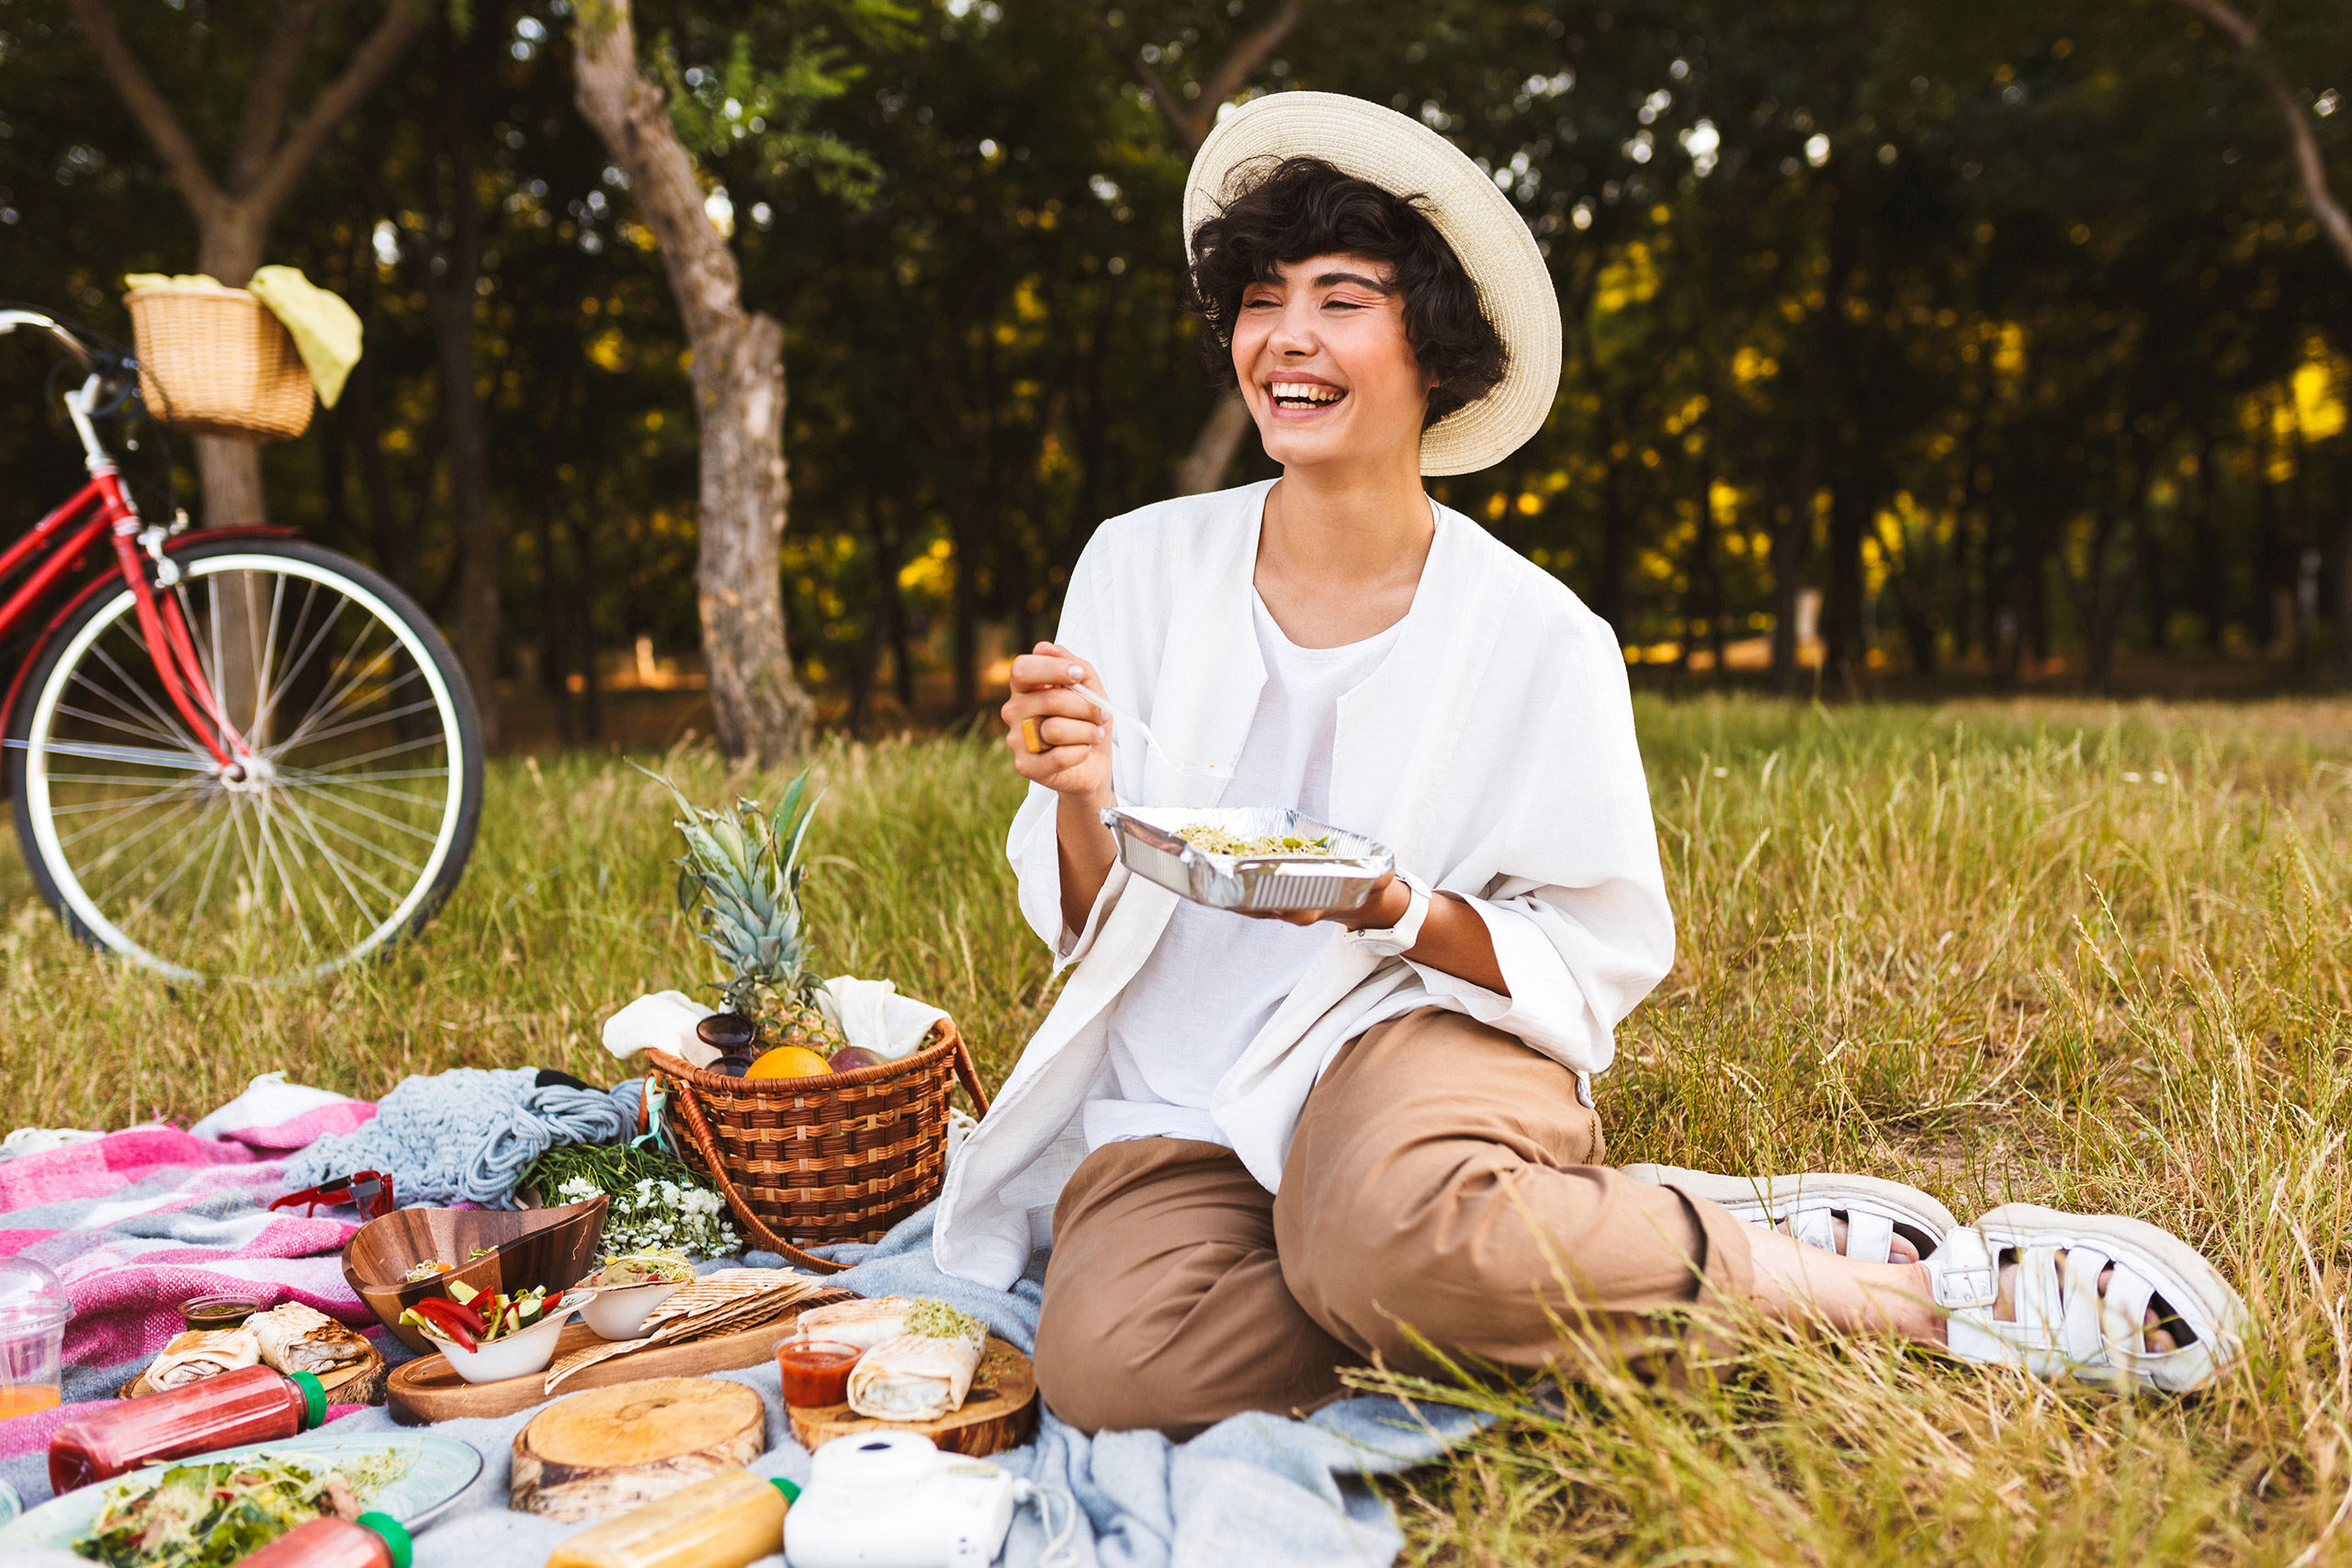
(968, 1075)
(698, 1131)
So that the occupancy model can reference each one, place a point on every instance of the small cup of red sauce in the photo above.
(816, 1371)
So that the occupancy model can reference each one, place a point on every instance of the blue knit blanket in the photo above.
(466, 1135)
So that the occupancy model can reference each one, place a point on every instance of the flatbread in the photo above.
(726, 1301)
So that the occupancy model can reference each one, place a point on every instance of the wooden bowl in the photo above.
(534, 1249)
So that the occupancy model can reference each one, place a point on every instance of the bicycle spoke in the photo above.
(325, 627)
(339, 865)
(180, 791)
(380, 752)
(325, 706)
(294, 778)
(170, 721)
(86, 716)
(284, 869)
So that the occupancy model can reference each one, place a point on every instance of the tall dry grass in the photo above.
(2084, 954)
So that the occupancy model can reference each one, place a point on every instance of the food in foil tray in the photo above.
(1217, 840)
(211, 1516)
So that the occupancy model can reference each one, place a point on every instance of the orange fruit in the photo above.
(789, 1061)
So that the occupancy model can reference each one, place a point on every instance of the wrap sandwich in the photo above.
(864, 1323)
(923, 1373)
(206, 1353)
(298, 1338)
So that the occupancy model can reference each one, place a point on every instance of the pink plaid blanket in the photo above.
(138, 1221)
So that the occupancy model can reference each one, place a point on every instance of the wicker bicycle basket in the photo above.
(215, 362)
(803, 1162)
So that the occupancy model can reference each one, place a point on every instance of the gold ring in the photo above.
(1029, 734)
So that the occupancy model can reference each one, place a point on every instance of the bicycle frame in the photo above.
(101, 509)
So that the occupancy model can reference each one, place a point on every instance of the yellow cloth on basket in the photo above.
(325, 329)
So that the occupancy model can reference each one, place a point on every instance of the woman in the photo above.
(1263, 1150)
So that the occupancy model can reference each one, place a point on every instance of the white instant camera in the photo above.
(892, 1500)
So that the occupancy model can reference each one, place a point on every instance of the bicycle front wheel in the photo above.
(345, 831)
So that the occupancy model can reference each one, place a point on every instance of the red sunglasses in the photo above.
(370, 1192)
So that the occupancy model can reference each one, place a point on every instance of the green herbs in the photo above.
(211, 1516)
(936, 1320)
(1217, 842)
(658, 1205)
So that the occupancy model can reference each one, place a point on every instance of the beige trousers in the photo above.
(1442, 1180)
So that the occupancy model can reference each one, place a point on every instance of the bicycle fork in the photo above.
(165, 631)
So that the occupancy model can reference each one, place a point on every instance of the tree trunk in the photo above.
(449, 307)
(1203, 468)
(738, 376)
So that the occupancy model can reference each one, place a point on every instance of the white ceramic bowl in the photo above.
(517, 1355)
(619, 1311)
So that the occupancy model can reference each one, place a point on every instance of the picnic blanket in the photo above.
(1256, 1489)
(136, 1222)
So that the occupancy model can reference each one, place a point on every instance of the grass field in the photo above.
(2071, 952)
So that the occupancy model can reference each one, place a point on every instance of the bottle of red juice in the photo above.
(252, 1404)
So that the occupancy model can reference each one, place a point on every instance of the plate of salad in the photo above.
(213, 1511)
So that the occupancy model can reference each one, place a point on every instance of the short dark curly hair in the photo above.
(1296, 207)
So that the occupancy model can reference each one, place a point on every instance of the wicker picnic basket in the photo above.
(803, 1162)
(215, 362)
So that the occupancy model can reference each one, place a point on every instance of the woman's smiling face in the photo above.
(1326, 366)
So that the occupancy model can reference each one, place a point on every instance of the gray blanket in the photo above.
(1256, 1489)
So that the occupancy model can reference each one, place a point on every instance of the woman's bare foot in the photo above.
(2158, 1339)
(1899, 1250)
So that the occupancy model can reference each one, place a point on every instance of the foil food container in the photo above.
(1265, 884)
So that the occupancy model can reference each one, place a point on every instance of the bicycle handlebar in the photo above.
(88, 358)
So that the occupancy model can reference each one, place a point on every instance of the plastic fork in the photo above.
(1128, 721)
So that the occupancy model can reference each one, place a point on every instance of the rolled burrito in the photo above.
(205, 1354)
(864, 1323)
(922, 1374)
(298, 1338)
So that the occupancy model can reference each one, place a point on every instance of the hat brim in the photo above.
(1405, 157)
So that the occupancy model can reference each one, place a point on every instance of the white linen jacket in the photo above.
(1492, 751)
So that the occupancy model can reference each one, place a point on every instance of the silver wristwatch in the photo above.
(1400, 936)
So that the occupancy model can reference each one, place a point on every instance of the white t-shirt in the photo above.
(1215, 977)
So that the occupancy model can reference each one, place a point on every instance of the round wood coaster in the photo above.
(998, 1412)
(599, 1454)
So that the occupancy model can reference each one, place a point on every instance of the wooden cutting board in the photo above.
(429, 1389)
(998, 1412)
(599, 1454)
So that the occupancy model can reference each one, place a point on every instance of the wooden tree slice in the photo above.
(599, 1454)
(998, 1412)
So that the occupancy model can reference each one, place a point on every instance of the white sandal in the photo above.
(1810, 1202)
(2063, 1323)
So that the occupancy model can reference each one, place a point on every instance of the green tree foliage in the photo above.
(2003, 328)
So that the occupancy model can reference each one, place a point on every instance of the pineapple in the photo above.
(742, 868)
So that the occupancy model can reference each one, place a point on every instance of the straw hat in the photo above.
(1405, 157)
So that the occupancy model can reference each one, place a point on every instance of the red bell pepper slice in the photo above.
(446, 1314)
(467, 1314)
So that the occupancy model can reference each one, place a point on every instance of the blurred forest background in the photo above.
(1971, 342)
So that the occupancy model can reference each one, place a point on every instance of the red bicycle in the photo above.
(233, 753)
